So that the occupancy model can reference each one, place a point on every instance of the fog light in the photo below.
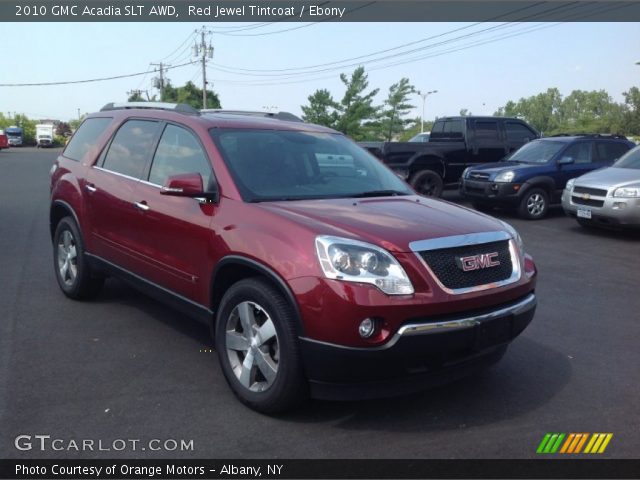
(619, 205)
(367, 328)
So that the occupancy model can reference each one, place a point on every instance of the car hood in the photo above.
(610, 177)
(492, 169)
(389, 222)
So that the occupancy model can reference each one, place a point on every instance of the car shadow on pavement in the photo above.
(526, 379)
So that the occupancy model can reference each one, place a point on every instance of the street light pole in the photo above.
(424, 101)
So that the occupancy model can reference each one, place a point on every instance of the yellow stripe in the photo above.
(584, 439)
(596, 445)
(605, 443)
(591, 442)
(567, 442)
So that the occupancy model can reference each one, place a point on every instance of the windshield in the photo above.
(537, 151)
(272, 165)
(631, 159)
(13, 134)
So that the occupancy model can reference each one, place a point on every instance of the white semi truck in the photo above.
(44, 135)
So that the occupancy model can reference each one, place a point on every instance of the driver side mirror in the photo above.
(565, 160)
(188, 185)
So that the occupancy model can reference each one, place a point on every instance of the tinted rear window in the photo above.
(86, 137)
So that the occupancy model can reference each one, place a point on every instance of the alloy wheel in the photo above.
(67, 258)
(535, 205)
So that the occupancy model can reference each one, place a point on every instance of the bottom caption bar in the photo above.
(308, 469)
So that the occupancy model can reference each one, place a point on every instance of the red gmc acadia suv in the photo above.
(319, 271)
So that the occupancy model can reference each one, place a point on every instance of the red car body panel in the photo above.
(4, 141)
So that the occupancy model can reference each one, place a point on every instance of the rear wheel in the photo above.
(534, 204)
(427, 183)
(74, 275)
(257, 347)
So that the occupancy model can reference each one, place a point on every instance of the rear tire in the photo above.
(427, 183)
(73, 273)
(534, 204)
(257, 346)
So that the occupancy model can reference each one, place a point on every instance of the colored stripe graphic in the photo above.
(572, 443)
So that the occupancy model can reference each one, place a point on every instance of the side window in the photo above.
(86, 137)
(486, 130)
(130, 148)
(607, 152)
(580, 152)
(179, 152)
(516, 132)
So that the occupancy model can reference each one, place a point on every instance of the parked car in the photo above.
(454, 144)
(532, 178)
(609, 197)
(4, 141)
(15, 135)
(319, 271)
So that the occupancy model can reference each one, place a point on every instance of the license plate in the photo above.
(583, 213)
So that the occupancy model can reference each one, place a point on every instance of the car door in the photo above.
(487, 145)
(173, 234)
(580, 152)
(109, 188)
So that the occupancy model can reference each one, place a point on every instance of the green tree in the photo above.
(541, 111)
(63, 129)
(414, 128)
(465, 113)
(395, 108)
(136, 97)
(356, 107)
(631, 113)
(322, 109)
(191, 95)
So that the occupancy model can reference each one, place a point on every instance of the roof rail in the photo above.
(290, 117)
(175, 107)
(592, 135)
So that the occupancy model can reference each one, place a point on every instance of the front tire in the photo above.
(534, 204)
(73, 273)
(258, 349)
(427, 183)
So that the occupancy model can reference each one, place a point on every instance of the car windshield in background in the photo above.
(629, 160)
(272, 165)
(538, 151)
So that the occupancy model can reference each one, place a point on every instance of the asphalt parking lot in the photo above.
(126, 367)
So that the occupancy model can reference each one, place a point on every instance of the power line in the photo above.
(189, 37)
(72, 82)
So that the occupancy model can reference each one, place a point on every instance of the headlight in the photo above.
(570, 184)
(627, 192)
(516, 237)
(354, 261)
(505, 177)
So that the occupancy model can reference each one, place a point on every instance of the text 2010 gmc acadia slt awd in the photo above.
(320, 272)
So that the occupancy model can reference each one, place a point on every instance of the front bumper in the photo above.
(423, 353)
(605, 211)
(491, 192)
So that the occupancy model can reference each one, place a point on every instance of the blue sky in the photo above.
(569, 56)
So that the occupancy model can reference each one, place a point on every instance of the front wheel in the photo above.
(427, 183)
(534, 204)
(72, 270)
(257, 347)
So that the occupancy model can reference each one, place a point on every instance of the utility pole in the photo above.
(204, 52)
(424, 100)
(159, 82)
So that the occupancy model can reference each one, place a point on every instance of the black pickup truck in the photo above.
(455, 144)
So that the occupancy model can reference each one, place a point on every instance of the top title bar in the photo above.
(319, 11)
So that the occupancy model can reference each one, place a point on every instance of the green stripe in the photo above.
(543, 443)
(558, 442)
(550, 443)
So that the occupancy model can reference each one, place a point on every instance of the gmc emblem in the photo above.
(477, 262)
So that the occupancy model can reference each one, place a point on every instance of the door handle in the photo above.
(141, 205)
(90, 188)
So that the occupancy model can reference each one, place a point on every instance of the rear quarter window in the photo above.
(86, 137)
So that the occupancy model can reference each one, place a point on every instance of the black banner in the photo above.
(317, 11)
(303, 469)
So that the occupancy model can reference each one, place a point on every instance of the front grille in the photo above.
(444, 263)
(590, 202)
(478, 176)
(591, 191)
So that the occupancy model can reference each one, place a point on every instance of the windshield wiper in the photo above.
(378, 193)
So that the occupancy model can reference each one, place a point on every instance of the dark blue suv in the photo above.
(533, 177)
